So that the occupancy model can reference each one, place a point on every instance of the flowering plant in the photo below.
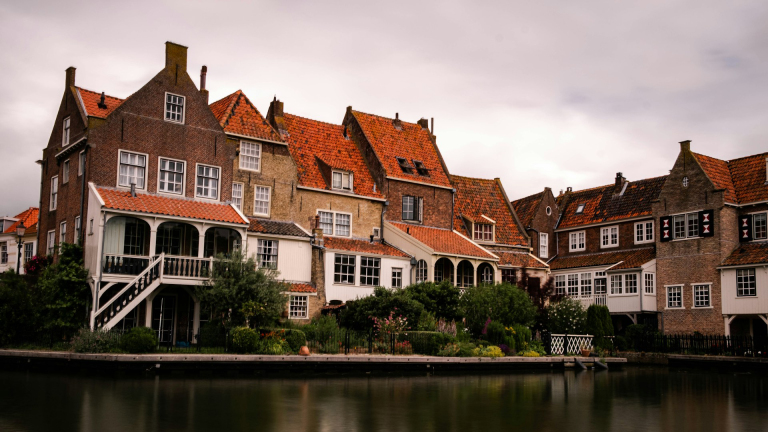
(36, 264)
(391, 324)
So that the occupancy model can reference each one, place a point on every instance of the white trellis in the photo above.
(575, 343)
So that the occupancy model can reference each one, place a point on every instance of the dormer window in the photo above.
(420, 168)
(65, 132)
(483, 232)
(342, 181)
(174, 108)
(404, 165)
(580, 209)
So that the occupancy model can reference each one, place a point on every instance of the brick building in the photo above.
(538, 213)
(9, 240)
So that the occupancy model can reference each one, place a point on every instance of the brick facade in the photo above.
(541, 222)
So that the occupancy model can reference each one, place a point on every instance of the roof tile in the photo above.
(519, 259)
(628, 259)
(302, 287)
(526, 208)
(748, 253)
(443, 240)
(743, 179)
(476, 198)
(91, 101)
(237, 115)
(363, 246)
(267, 226)
(29, 217)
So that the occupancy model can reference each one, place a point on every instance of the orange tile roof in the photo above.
(238, 115)
(601, 206)
(748, 253)
(477, 197)
(29, 217)
(410, 142)
(268, 226)
(629, 259)
(526, 208)
(313, 143)
(363, 246)
(91, 101)
(519, 259)
(743, 179)
(443, 241)
(302, 287)
(155, 204)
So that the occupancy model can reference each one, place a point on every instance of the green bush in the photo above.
(273, 346)
(295, 339)
(598, 326)
(496, 334)
(97, 341)
(427, 322)
(358, 315)
(321, 328)
(489, 351)
(139, 340)
(212, 334)
(636, 332)
(426, 343)
(244, 340)
(441, 300)
(18, 311)
(522, 337)
(503, 303)
(566, 316)
(530, 354)
(459, 349)
(621, 343)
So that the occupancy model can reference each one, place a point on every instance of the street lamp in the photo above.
(20, 230)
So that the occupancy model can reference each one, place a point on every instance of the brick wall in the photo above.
(593, 239)
(543, 223)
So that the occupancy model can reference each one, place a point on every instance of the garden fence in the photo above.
(702, 344)
(565, 344)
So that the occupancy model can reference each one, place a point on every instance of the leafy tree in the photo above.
(18, 315)
(64, 294)
(359, 313)
(441, 300)
(504, 303)
(239, 293)
(566, 316)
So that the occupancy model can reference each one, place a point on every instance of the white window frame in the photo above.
(65, 172)
(580, 208)
(372, 265)
(119, 164)
(334, 222)
(649, 283)
(250, 154)
(616, 287)
(62, 232)
(4, 252)
(264, 249)
(764, 216)
(54, 198)
(345, 278)
(78, 229)
(342, 174)
(573, 285)
(81, 163)
(585, 281)
(218, 182)
(238, 204)
(50, 245)
(627, 278)
(29, 246)
(397, 277)
(751, 279)
(697, 286)
(575, 239)
(543, 245)
(682, 297)
(687, 218)
(422, 270)
(257, 193)
(478, 229)
(66, 131)
(183, 175)
(606, 243)
(646, 228)
(560, 284)
(298, 306)
(183, 108)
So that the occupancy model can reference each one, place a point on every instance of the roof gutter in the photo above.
(420, 183)
(613, 222)
(341, 193)
(256, 139)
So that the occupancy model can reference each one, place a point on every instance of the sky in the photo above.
(540, 94)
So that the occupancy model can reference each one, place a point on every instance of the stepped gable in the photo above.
(29, 217)
(363, 246)
(268, 226)
(748, 253)
(237, 115)
(443, 241)
(409, 141)
(744, 180)
(526, 208)
(476, 198)
(626, 259)
(91, 100)
(318, 146)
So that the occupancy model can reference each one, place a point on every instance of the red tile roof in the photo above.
(301, 287)
(316, 145)
(410, 142)
(748, 253)
(238, 115)
(29, 217)
(91, 101)
(519, 259)
(443, 241)
(526, 208)
(600, 205)
(743, 179)
(628, 259)
(154, 204)
(476, 198)
(268, 226)
(363, 246)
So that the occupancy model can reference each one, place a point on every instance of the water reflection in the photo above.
(630, 400)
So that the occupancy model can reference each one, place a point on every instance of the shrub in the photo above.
(521, 336)
(139, 340)
(503, 303)
(531, 354)
(295, 339)
(426, 343)
(566, 316)
(441, 300)
(272, 342)
(244, 340)
(621, 343)
(495, 333)
(427, 322)
(359, 314)
(212, 334)
(537, 347)
(459, 349)
(97, 341)
(597, 326)
(489, 351)
(321, 328)
(64, 294)
(18, 314)
(635, 333)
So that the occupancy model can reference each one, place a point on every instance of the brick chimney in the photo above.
(69, 81)
(424, 123)
(175, 56)
(397, 122)
(203, 75)
(275, 115)
(685, 145)
(619, 185)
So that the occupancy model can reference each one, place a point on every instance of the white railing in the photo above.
(589, 300)
(563, 344)
(114, 307)
(187, 267)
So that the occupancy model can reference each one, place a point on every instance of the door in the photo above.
(164, 318)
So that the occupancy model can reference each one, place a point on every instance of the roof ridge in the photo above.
(613, 184)
(473, 178)
(98, 93)
(386, 118)
(728, 161)
(421, 226)
(313, 120)
(527, 197)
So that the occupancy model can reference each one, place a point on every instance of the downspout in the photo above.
(381, 220)
(453, 204)
(101, 262)
(82, 200)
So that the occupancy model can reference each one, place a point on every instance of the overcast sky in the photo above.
(538, 93)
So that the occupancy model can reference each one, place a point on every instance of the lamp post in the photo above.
(20, 230)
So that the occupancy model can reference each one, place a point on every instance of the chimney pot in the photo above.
(133, 190)
(397, 116)
(102, 102)
(371, 238)
(203, 74)
(569, 189)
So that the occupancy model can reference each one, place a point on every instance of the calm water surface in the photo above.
(629, 400)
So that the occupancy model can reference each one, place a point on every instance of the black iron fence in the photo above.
(702, 344)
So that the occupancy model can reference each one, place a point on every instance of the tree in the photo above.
(566, 316)
(541, 297)
(238, 292)
(18, 315)
(64, 294)
(504, 303)
(359, 314)
(441, 300)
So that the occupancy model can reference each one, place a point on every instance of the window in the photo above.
(701, 296)
(609, 237)
(686, 225)
(650, 283)
(174, 108)
(250, 156)
(560, 284)
(344, 269)
(62, 232)
(376, 232)
(617, 286)
(759, 229)
(343, 224)
(339, 224)
(630, 284)
(326, 222)
(342, 181)
(81, 164)
(420, 168)
(404, 165)
(29, 250)
(51, 242)
(543, 245)
(4, 253)
(397, 277)
(421, 271)
(745, 283)
(298, 307)
(580, 209)
(171, 176)
(483, 232)
(237, 195)
(65, 132)
(132, 168)
(674, 297)
(644, 232)
(261, 197)
(600, 285)
(577, 241)
(586, 284)
(369, 271)
(549, 210)
(65, 172)
(685, 181)
(134, 237)
(573, 285)
(486, 276)
(78, 229)
(207, 182)
(412, 207)
(508, 276)
(266, 253)
(54, 192)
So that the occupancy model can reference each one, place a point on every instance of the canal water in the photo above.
(635, 399)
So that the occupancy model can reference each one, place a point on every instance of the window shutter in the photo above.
(402, 208)
(421, 209)
(745, 228)
(706, 223)
(665, 228)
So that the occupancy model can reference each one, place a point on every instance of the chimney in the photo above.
(398, 124)
(275, 115)
(371, 238)
(618, 187)
(133, 190)
(317, 233)
(685, 145)
(203, 90)
(102, 102)
(569, 189)
(69, 81)
(175, 57)
(424, 123)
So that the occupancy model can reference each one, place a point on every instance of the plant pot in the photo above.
(585, 352)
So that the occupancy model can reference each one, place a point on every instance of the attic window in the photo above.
(420, 168)
(580, 209)
(342, 181)
(174, 108)
(404, 165)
